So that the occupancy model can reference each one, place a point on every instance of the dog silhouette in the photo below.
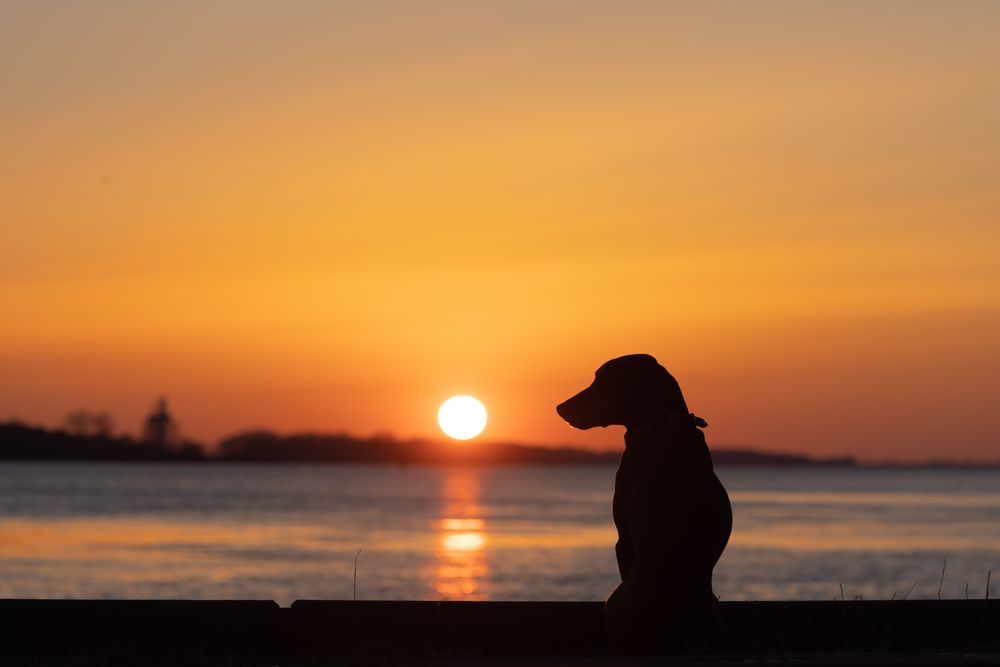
(672, 513)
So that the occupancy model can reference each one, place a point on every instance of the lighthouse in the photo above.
(160, 430)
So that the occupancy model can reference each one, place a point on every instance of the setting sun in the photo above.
(462, 417)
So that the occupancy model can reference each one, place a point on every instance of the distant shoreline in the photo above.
(19, 442)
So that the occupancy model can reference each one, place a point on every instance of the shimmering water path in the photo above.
(287, 532)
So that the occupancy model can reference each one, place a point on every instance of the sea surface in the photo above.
(287, 532)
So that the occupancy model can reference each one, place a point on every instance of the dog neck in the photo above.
(643, 431)
(657, 439)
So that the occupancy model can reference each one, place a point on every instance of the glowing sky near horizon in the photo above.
(334, 216)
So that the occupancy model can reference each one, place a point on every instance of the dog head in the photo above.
(632, 390)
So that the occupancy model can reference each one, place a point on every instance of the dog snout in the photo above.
(576, 411)
(565, 410)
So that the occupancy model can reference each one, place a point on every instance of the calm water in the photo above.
(523, 533)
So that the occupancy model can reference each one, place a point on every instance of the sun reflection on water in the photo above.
(461, 570)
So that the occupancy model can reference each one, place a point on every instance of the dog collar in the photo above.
(680, 419)
(674, 420)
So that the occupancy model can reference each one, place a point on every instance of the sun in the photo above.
(462, 417)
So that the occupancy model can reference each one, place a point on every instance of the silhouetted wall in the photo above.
(140, 632)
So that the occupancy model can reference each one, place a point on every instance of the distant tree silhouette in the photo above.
(104, 425)
(76, 423)
(89, 424)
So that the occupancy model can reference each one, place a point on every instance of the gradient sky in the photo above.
(308, 215)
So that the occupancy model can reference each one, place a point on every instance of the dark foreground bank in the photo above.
(334, 632)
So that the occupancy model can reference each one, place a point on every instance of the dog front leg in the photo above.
(625, 554)
(614, 621)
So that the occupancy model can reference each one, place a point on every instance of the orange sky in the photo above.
(319, 216)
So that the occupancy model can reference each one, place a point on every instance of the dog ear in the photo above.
(669, 398)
